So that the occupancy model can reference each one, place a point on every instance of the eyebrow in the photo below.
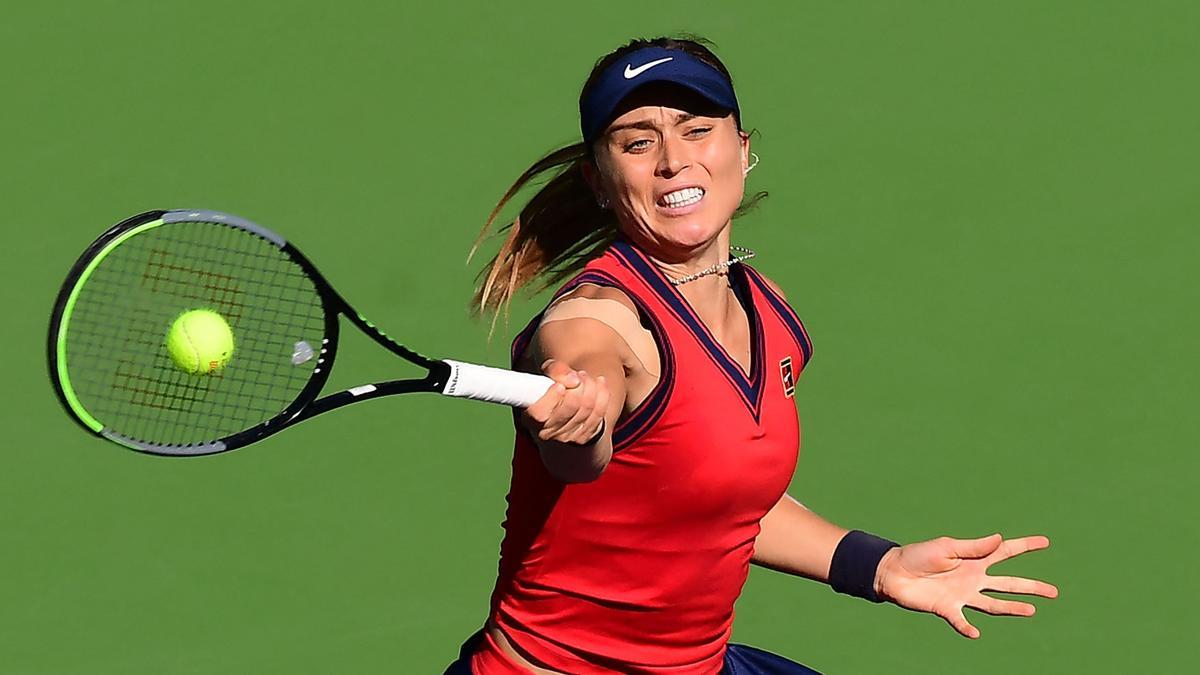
(649, 125)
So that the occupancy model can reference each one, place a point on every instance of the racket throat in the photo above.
(440, 375)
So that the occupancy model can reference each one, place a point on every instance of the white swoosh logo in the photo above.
(631, 73)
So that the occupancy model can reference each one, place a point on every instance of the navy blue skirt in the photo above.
(739, 660)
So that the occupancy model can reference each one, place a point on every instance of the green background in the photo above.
(984, 211)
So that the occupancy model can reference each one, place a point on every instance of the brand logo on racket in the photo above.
(302, 352)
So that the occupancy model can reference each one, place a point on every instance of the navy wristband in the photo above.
(855, 561)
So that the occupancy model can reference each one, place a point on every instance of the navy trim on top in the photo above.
(785, 313)
(643, 417)
(749, 387)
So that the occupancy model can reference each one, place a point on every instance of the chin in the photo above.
(688, 233)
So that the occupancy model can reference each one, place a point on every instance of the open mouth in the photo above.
(681, 198)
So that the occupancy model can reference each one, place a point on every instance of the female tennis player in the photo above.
(653, 474)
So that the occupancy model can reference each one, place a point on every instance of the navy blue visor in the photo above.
(641, 67)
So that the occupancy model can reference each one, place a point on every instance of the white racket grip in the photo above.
(495, 385)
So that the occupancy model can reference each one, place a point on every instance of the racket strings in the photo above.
(116, 355)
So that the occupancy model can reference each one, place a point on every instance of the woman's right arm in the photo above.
(585, 359)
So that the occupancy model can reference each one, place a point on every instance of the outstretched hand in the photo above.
(942, 576)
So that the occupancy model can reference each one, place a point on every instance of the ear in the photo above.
(745, 141)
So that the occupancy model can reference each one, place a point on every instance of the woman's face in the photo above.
(673, 171)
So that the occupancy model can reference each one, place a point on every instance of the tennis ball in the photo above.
(200, 342)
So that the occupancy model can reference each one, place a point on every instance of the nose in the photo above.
(672, 159)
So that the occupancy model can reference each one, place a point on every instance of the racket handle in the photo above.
(495, 385)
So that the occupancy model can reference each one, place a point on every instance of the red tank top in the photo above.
(638, 571)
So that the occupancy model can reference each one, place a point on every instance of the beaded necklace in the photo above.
(718, 268)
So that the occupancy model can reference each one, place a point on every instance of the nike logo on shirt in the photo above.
(631, 73)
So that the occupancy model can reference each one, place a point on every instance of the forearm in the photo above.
(580, 355)
(797, 541)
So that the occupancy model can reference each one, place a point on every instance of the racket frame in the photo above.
(306, 403)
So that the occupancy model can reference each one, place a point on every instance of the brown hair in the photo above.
(561, 227)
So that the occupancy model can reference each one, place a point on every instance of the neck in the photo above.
(680, 262)
(709, 295)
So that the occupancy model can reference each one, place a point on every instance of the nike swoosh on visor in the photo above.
(631, 73)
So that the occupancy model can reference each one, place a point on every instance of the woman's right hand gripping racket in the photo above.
(193, 332)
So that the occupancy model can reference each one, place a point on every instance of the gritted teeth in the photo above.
(682, 197)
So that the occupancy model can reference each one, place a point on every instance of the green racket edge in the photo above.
(61, 344)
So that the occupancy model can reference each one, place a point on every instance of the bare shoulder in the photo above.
(774, 286)
(574, 328)
(597, 292)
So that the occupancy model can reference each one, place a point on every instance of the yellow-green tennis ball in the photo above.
(200, 342)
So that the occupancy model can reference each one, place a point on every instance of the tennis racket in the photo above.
(113, 374)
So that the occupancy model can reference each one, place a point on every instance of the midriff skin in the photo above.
(507, 648)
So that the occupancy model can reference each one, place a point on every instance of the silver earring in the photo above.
(602, 202)
(752, 164)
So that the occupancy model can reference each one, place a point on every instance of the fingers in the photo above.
(570, 422)
(1014, 547)
(1021, 585)
(998, 607)
(540, 411)
(962, 582)
(959, 623)
(565, 378)
(591, 424)
(561, 373)
(976, 548)
(995, 548)
(561, 422)
(590, 403)
(572, 410)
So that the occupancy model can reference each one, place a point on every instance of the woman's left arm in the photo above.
(940, 576)
(787, 523)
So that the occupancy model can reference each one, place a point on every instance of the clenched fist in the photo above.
(573, 410)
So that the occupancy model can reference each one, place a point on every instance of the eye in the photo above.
(696, 132)
(639, 145)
